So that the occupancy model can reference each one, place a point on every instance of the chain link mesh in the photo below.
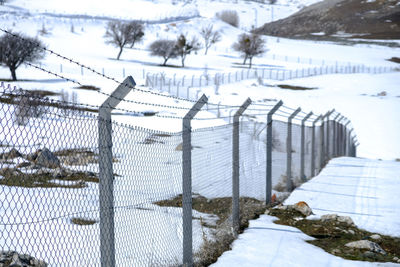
(50, 176)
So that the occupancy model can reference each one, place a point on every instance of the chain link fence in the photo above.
(189, 86)
(79, 189)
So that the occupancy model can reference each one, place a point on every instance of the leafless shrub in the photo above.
(210, 37)
(120, 34)
(250, 45)
(184, 47)
(229, 16)
(16, 49)
(165, 49)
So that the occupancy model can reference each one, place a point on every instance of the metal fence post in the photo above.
(349, 142)
(313, 146)
(345, 138)
(235, 167)
(322, 159)
(302, 175)
(339, 136)
(106, 175)
(269, 152)
(327, 156)
(335, 133)
(187, 181)
(289, 183)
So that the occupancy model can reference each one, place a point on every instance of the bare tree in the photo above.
(210, 37)
(250, 45)
(229, 16)
(137, 32)
(165, 49)
(121, 34)
(185, 47)
(16, 49)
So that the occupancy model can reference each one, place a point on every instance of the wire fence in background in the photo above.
(190, 86)
(79, 189)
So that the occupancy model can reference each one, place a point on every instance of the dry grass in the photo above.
(82, 221)
(293, 87)
(332, 236)
(12, 177)
(88, 87)
(222, 207)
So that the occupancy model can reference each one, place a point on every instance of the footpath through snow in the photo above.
(366, 190)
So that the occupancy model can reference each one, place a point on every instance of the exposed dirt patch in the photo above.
(82, 221)
(379, 19)
(395, 60)
(223, 237)
(44, 179)
(293, 87)
(250, 208)
(33, 100)
(88, 87)
(333, 235)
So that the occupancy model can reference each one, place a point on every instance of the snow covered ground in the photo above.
(76, 30)
(364, 189)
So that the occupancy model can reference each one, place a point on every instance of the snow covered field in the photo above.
(76, 30)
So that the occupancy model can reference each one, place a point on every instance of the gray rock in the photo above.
(13, 153)
(376, 237)
(351, 232)
(334, 217)
(366, 244)
(47, 159)
(303, 208)
(395, 258)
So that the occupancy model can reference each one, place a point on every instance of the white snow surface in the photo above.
(364, 189)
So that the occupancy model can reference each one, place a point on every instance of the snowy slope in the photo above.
(366, 190)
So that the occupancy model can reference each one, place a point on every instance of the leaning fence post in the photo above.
(187, 181)
(269, 152)
(313, 146)
(289, 183)
(106, 175)
(235, 166)
(302, 176)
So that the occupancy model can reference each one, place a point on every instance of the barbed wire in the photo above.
(99, 74)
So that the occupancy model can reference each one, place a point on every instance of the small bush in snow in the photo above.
(229, 16)
(184, 47)
(165, 49)
(250, 45)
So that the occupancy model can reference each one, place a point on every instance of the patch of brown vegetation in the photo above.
(82, 221)
(293, 87)
(250, 208)
(333, 235)
(88, 87)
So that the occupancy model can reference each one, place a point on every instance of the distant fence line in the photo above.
(184, 86)
(79, 189)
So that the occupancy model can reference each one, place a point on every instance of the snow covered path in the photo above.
(366, 190)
